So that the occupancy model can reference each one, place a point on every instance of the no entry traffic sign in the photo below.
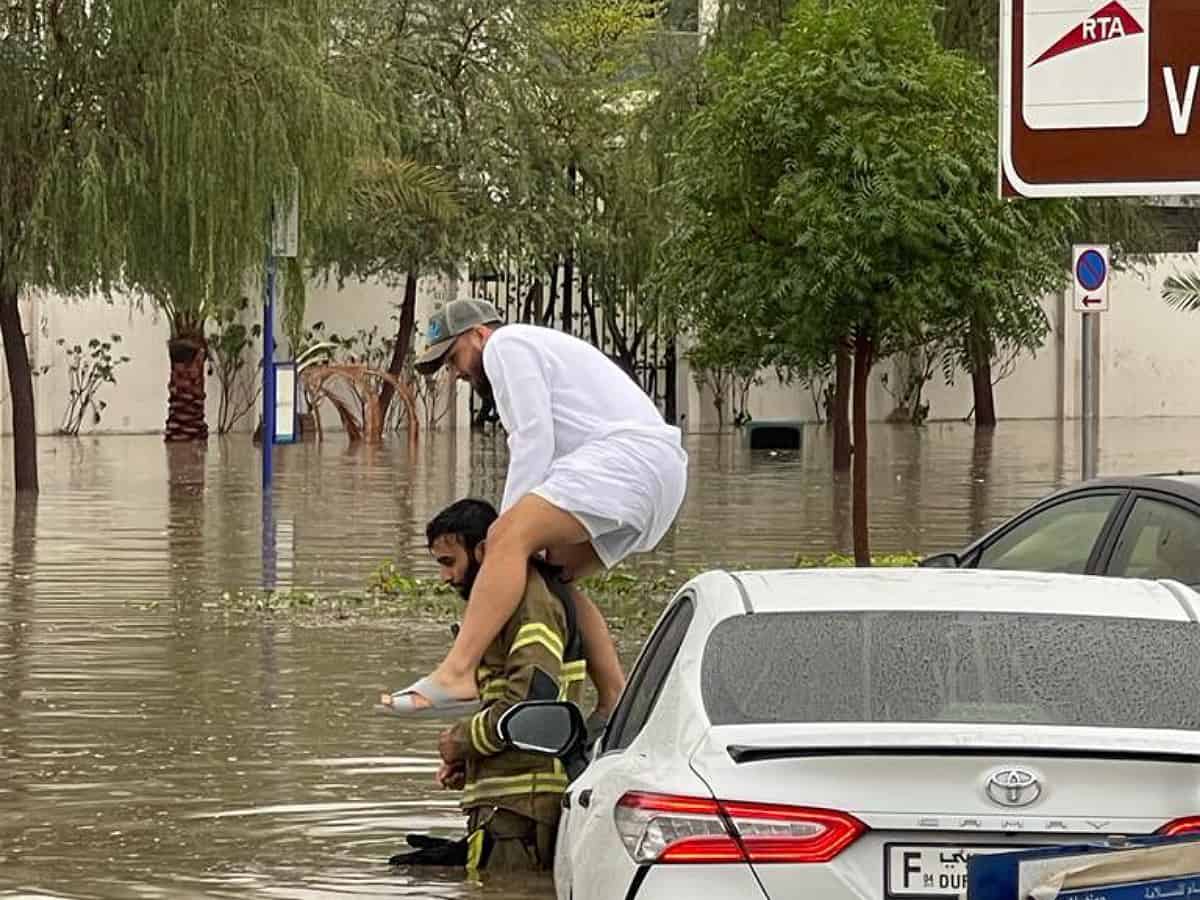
(1090, 267)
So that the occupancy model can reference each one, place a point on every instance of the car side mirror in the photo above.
(941, 561)
(548, 727)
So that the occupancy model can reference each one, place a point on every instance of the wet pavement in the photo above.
(150, 747)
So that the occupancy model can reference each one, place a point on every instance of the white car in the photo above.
(855, 734)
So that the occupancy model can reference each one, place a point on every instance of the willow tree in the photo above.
(240, 102)
(147, 139)
(65, 68)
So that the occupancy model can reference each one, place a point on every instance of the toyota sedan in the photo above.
(852, 734)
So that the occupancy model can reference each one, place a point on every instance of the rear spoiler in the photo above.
(749, 753)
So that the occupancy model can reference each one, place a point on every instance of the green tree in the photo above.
(830, 187)
(148, 141)
(1007, 257)
(65, 68)
(240, 103)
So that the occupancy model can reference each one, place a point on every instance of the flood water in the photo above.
(150, 747)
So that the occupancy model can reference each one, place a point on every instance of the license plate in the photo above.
(931, 870)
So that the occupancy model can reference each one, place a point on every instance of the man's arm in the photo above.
(531, 672)
(522, 394)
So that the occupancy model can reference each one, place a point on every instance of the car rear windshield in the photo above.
(952, 667)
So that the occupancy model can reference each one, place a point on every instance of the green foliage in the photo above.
(65, 69)
(840, 560)
(833, 182)
(238, 383)
(89, 368)
(238, 100)
(631, 600)
(544, 118)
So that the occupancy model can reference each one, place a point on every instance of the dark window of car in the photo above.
(1159, 540)
(908, 666)
(646, 680)
(1057, 539)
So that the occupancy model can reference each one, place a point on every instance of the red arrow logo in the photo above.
(1106, 24)
(1092, 301)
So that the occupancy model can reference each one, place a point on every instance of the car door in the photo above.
(1060, 536)
(1159, 538)
(594, 863)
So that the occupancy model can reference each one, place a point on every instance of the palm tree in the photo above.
(1183, 291)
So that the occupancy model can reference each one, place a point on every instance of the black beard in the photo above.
(468, 582)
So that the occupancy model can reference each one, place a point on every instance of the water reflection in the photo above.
(149, 747)
(981, 468)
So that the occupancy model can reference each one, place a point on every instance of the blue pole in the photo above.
(268, 438)
(268, 435)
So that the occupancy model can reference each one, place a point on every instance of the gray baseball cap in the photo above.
(447, 323)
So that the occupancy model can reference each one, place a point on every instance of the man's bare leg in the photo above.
(604, 666)
(531, 525)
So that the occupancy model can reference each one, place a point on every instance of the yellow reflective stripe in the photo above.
(537, 633)
(571, 674)
(475, 851)
(479, 735)
(508, 786)
(495, 689)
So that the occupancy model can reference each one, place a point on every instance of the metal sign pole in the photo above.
(1087, 396)
(268, 424)
(1090, 269)
(283, 240)
(268, 436)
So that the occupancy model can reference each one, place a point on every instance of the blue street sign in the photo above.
(1091, 270)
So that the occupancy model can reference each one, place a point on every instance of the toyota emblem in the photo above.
(1013, 787)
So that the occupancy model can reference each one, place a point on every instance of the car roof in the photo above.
(974, 590)
(1184, 484)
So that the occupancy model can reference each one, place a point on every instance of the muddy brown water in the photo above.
(149, 747)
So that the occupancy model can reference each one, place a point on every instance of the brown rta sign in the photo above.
(1098, 98)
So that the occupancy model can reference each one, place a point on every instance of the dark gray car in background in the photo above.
(1136, 527)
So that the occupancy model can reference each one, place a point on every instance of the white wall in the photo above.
(1147, 364)
(138, 402)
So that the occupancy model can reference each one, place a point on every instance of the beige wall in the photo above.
(138, 402)
(1148, 353)
(1147, 365)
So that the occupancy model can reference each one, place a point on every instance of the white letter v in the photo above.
(1181, 114)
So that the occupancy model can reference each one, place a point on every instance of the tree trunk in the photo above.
(404, 330)
(185, 390)
(980, 346)
(671, 386)
(863, 352)
(585, 299)
(20, 385)
(985, 399)
(568, 290)
(841, 410)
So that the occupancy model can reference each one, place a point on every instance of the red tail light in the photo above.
(669, 829)
(1186, 825)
